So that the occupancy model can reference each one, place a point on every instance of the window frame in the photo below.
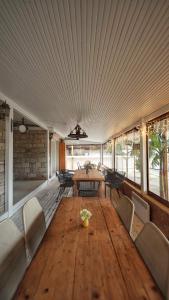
(113, 158)
(150, 193)
(83, 145)
(126, 178)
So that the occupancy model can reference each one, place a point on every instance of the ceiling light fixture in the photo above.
(77, 133)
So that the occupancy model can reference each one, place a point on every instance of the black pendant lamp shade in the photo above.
(77, 133)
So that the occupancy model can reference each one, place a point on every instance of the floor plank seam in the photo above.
(114, 248)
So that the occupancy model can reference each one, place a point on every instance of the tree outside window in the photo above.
(158, 145)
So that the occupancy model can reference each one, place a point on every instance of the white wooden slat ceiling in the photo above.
(103, 63)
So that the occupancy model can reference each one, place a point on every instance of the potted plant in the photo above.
(85, 216)
(88, 166)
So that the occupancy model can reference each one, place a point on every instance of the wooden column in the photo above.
(9, 162)
(113, 153)
(143, 148)
(62, 164)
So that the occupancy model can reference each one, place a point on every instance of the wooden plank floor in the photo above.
(98, 262)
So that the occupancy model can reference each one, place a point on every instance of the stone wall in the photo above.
(2, 166)
(30, 155)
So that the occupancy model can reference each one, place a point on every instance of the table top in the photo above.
(98, 262)
(93, 175)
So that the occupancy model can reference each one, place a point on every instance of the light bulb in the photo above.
(22, 128)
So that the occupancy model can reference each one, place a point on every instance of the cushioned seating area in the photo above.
(125, 209)
(13, 260)
(34, 224)
(154, 248)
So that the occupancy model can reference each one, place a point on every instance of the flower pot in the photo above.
(86, 223)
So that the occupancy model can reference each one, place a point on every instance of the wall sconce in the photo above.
(22, 127)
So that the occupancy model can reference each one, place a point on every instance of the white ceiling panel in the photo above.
(102, 63)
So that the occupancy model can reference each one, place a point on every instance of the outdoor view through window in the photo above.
(78, 154)
(158, 158)
(107, 154)
(127, 155)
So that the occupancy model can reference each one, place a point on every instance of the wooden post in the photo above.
(143, 145)
(113, 153)
(9, 162)
(62, 164)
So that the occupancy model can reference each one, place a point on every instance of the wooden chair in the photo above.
(13, 260)
(154, 248)
(34, 224)
(125, 209)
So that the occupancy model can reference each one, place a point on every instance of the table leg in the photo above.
(100, 189)
(75, 189)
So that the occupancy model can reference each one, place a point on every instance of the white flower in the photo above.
(85, 214)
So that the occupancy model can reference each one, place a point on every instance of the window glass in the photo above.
(121, 154)
(127, 155)
(107, 154)
(3, 199)
(158, 158)
(78, 154)
(130, 156)
(137, 157)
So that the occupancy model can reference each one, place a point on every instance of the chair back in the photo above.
(98, 166)
(78, 165)
(142, 208)
(13, 260)
(125, 209)
(34, 224)
(154, 248)
(109, 176)
(119, 178)
(114, 178)
(61, 178)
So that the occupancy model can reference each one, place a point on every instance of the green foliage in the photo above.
(136, 153)
(85, 214)
(119, 149)
(108, 147)
(157, 143)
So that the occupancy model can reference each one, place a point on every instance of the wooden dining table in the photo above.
(77, 263)
(93, 175)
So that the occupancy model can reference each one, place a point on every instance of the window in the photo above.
(120, 154)
(29, 157)
(127, 155)
(3, 198)
(107, 154)
(79, 154)
(158, 157)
